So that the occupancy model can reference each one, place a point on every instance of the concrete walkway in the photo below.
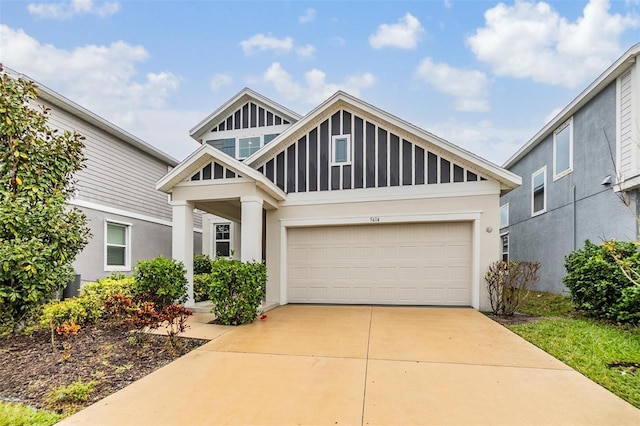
(362, 365)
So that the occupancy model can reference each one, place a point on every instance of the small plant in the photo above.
(201, 287)
(17, 414)
(119, 309)
(71, 395)
(237, 290)
(175, 317)
(161, 281)
(201, 264)
(509, 284)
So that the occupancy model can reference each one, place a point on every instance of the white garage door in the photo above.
(399, 264)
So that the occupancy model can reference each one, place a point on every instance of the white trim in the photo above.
(468, 216)
(214, 239)
(618, 129)
(542, 170)
(393, 193)
(127, 248)
(560, 129)
(502, 252)
(504, 206)
(333, 161)
(119, 212)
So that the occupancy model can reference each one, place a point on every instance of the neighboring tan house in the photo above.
(129, 219)
(576, 171)
(347, 204)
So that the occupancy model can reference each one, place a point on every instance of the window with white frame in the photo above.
(504, 215)
(247, 146)
(341, 149)
(268, 138)
(117, 255)
(222, 240)
(538, 192)
(563, 150)
(505, 247)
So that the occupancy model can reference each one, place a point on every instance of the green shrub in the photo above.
(236, 290)
(161, 281)
(102, 289)
(597, 283)
(201, 264)
(79, 310)
(17, 414)
(201, 287)
(73, 394)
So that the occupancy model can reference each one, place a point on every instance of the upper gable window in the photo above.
(247, 146)
(228, 145)
(341, 149)
(538, 192)
(563, 150)
(269, 138)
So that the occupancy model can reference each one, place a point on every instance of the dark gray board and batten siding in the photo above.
(379, 158)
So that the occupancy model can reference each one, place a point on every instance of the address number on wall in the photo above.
(374, 219)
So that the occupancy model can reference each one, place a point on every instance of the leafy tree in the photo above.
(40, 234)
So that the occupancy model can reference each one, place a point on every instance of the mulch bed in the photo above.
(30, 368)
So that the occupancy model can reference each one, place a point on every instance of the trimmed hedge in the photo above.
(237, 290)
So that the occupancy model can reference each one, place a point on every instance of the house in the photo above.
(581, 174)
(347, 204)
(129, 220)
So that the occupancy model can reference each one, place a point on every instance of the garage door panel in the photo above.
(428, 263)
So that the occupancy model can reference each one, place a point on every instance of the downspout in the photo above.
(573, 227)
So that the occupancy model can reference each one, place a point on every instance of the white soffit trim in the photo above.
(608, 76)
(84, 114)
(204, 155)
(508, 179)
(235, 102)
(395, 193)
(120, 212)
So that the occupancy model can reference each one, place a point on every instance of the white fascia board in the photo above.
(205, 154)
(237, 101)
(508, 179)
(608, 76)
(395, 193)
(85, 115)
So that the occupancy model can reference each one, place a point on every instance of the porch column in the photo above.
(182, 241)
(251, 233)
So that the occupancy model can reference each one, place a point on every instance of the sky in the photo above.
(485, 75)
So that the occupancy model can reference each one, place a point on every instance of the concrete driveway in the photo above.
(363, 365)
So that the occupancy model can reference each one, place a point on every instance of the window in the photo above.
(341, 149)
(538, 192)
(222, 240)
(505, 247)
(117, 243)
(247, 146)
(563, 150)
(504, 216)
(228, 145)
(269, 138)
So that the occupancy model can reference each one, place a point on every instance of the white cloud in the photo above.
(266, 42)
(306, 51)
(104, 79)
(552, 115)
(220, 80)
(64, 10)
(448, 4)
(482, 138)
(531, 40)
(337, 41)
(404, 35)
(315, 88)
(309, 16)
(469, 87)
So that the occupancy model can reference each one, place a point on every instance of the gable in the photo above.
(380, 156)
(248, 116)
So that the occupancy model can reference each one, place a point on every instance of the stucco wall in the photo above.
(486, 205)
(148, 240)
(599, 213)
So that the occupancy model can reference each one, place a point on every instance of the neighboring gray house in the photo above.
(575, 173)
(129, 219)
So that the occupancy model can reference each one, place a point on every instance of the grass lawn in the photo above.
(588, 346)
(15, 414)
